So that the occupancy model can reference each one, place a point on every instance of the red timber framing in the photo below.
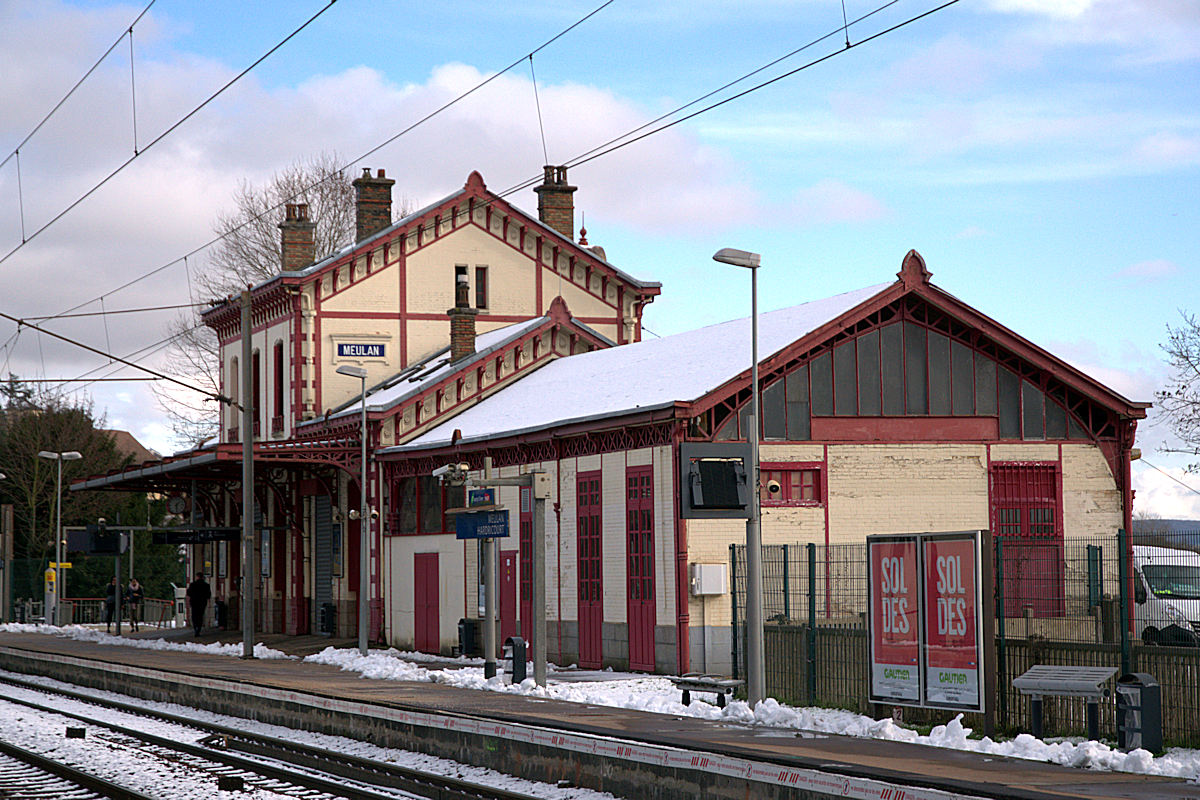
(589, 511)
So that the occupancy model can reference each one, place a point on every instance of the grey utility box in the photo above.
(1139, 712)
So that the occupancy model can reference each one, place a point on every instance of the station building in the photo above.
(489, 334)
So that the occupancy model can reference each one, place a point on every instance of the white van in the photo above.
(1166, 595)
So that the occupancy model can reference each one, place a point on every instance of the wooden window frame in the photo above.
(786, 499)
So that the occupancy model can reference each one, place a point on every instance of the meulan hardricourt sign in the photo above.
(926, 619)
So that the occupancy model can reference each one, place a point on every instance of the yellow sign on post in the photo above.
(63, 565)
(50, 573)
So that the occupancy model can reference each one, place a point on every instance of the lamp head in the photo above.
(738, 258)
(352, 371)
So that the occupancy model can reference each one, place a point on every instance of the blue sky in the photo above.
(1042, 156)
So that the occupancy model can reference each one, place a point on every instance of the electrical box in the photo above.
(709, 579)
(542, 487)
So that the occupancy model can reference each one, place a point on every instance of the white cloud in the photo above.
(1173, 495)
(831, 201)
(1055, 9)
(1156, 268)
(1168, 149)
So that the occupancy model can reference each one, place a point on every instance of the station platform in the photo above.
(632, 754)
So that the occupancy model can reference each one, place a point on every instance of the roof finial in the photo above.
(912, 271)
(583, 231)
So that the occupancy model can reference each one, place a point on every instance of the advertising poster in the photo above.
(895, 620)
(953, 642)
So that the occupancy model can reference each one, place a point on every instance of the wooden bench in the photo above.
(698, 682)
(1062, 681)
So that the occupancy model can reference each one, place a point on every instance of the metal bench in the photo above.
(1061, 681)
(698, 682)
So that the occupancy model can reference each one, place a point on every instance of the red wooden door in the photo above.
(639, 532)
(508, 594)
(426, 637)
(526, 572)
(1027, 522)
(591, 584)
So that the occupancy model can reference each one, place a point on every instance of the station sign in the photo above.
(361, 350)
(481, 525)
(926, 625)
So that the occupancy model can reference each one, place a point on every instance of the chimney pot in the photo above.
(556, 204)
(297, 249)
(373, 204)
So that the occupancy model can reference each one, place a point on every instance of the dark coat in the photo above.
(110, 596)
(198, 593)
(134, 594)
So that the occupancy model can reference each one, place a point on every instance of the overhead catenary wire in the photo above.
(164, 134)
(1172, 477)
(90, 349)
(618, 142)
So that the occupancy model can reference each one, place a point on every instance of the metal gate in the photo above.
(323, 557)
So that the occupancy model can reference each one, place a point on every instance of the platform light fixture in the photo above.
(364, 518)
(70, 455)
(755, 667)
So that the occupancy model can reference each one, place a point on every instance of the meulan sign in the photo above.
(360, 350)
(926, 619)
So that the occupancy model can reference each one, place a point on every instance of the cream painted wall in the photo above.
(399, 587)
(1091, 500)
(429, 286)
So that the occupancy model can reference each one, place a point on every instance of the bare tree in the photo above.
(250, 251)
(1180, 399)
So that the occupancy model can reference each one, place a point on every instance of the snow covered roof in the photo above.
(636, 377)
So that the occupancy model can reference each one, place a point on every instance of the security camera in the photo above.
(443, 470)
(102, 521)
(773, 487)
(354, 513)
(374, 513)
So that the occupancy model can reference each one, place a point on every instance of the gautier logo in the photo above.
(351, 350)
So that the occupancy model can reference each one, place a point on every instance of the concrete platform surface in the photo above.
(890, 764)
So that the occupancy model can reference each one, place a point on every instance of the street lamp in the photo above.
(364, 518)
(755, 669)
(70, 455)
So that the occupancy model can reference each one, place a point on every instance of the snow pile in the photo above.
(86, 634)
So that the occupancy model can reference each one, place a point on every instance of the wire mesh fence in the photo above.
(1065, 601)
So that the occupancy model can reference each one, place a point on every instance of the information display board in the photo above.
(926, 626)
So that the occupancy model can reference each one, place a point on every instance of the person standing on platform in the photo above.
(110, 603)
(198, 594)
(133, 599)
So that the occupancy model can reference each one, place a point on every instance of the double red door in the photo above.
(591, 584)
(1027, 522)
(639, 530)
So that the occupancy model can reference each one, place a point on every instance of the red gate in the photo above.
(526, 572)
(426, 638)
(508, 594)
(591, 584)
(639, 514)
(1027, 521)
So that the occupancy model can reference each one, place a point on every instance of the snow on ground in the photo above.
(657, 694)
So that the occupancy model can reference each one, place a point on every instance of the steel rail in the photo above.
(98, 787)
(224, 739)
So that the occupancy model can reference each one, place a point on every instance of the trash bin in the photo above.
(221, 614)
(466, 637)
(326, 618)
(514, 658)
(1139, 712)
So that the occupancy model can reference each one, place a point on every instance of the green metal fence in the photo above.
(1056, 603)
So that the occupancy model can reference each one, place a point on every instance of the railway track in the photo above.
(279, 766)
(27, 775)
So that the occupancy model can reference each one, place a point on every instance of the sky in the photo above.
(1041, 155)
(650, 693)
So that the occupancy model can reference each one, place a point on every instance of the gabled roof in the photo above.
(635, 377)
(474, 187)
(686, 367)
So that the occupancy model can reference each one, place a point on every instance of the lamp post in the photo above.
(755, 669)
(364, 518)
(70, 455)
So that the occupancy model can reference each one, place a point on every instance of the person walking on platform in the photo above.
(198, 594)
(110, 603)
(134, 595)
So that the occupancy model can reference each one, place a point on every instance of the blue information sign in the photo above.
(358, 350)
(481, 525)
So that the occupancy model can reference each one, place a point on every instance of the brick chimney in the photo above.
(556, 205)
(462, 321)
(373, 203)
(297, 237)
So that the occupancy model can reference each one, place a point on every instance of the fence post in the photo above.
(1123, 555)
(812, 624)
(733, 598)
(787, 606)
(1001, 649)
